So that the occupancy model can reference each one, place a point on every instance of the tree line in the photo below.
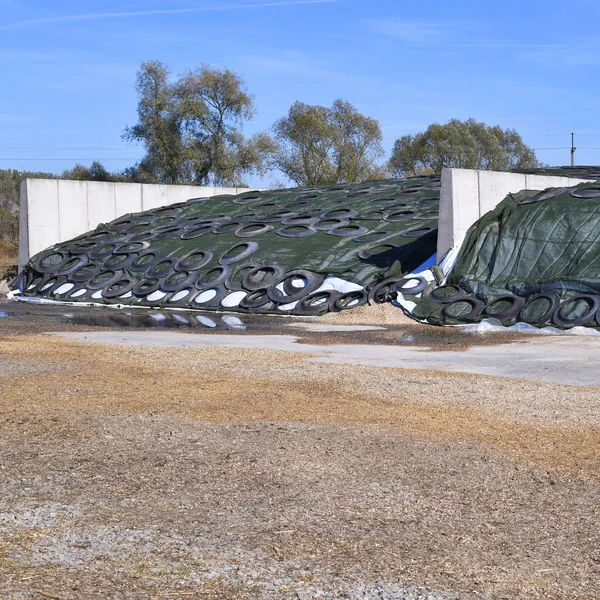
(191, 128)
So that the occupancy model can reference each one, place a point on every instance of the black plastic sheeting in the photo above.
(255, 252)
(534, 259)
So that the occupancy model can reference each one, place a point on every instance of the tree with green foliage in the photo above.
(95, 172)
(461, 144)
(192, 128)
(320, 145)
(10, 191)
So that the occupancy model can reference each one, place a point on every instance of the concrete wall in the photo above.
(467, 194)
(56, 210)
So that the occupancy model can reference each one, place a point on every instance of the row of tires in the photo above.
(266, 288)
(537, 309)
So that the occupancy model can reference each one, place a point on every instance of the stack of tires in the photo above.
(301, 251)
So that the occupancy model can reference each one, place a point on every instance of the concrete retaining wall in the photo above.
(56, 210)
(467, 194)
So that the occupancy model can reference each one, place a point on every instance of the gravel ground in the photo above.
(210, 473)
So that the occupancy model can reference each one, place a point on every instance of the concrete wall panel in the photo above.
(54, 211)
(128, 198)
(72, 208)
(101, 203)
(467, 194)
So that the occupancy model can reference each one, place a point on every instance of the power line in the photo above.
(63, 148)
(71, 159)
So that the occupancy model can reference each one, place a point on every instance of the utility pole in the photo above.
(573, 149)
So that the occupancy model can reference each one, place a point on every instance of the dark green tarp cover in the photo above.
(359, 232)
(532, 243)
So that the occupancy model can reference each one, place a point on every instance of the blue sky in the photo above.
(67, 68)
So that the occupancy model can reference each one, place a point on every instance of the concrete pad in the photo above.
(569, 361)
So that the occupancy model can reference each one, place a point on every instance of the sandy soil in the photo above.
(174, 473)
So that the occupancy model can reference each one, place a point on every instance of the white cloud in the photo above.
(292, 62)
(148, 13)
(411, 32)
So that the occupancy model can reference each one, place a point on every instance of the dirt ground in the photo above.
(153, 472)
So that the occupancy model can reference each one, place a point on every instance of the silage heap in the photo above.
(296, 251)
(534, 259)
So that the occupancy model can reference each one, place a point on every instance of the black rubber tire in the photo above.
(329, 224)
(131, 247)
(504, 315)
(118, 288)
(348, 231)
(402, 288)
(398, 216)
(313, 281)
(168, 285)
(256, 299)
(272, 272)
(417, 233)
(113, 262)
(310, 305)
(40, 262)
(71, 265)
(205, 284)
(587, 192)
(102, 252)
(554, 301)
(195, 232)
(139, 264)
(559, 319)
(168, 232)
(340, 213)
(227, 227)
(383, 291)
(249, 198)
(235, 279)
(38, 281)
(95, 285)
(183, 302)
(308, 219)
(184, 263)
(145, 287)
(55, 282)
(85, 272)
(82, 248)
(213, 303)
(161, 268)
(273, 217)
(248, 230)
(70, 295)
(444, 299)
(349, 300)
(288, 285)
(477, 306)
(367, 253)
(250, 248)
(287, 233)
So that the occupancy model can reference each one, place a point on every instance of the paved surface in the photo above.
(566, 360)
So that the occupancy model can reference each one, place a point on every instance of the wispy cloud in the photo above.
(292, 62)
(413, 32)
(148, 13)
